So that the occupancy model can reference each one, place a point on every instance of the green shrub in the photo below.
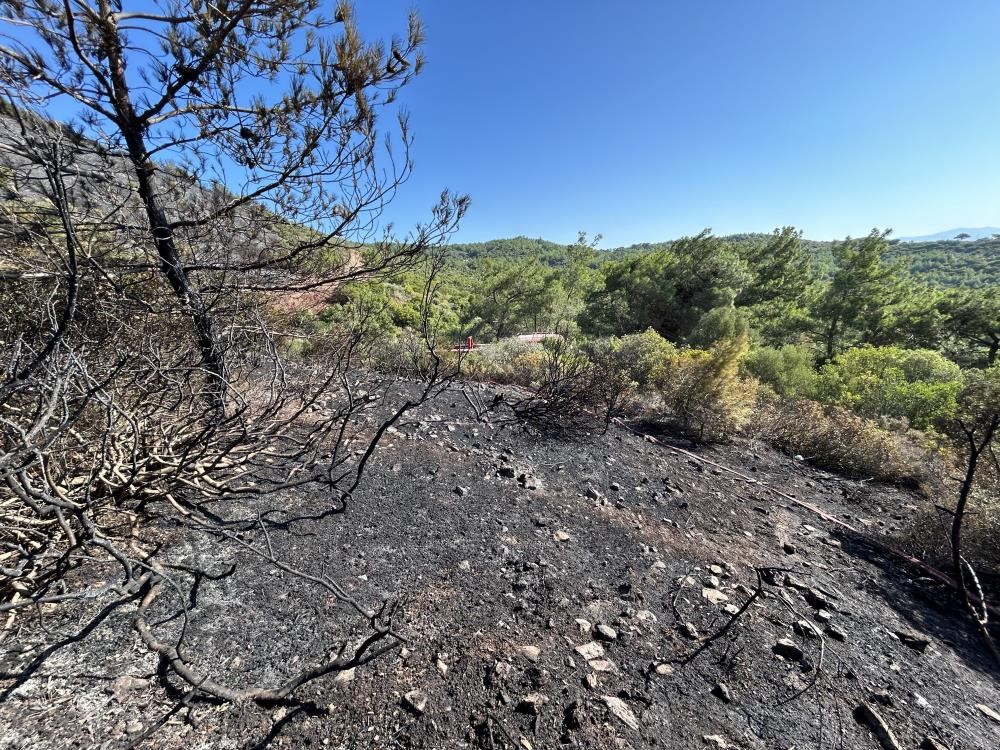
(633, 359)
(703, 392)
(719, 324)
(622, 368)
(788, 371)
(919, 385)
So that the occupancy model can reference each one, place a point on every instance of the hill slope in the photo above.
(593, 592)
(947, 263)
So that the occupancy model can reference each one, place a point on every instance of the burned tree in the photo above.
(220, 156)
(975, 431)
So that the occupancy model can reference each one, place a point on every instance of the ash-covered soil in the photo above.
(559, 592)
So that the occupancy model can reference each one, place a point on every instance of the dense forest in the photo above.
(945, 263)
(781, 289)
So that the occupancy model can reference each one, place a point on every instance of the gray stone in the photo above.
(714, 595)
(788, 649)
(532, 703)
(721, 691)
(794, 583)
(988, 712)
(836, 633)
(415, 701)
(805, 629)
(592, 650)
(529, 482)
(816, 599)
(344, 677)
(605, 632)
(620, 710)
(916, 642)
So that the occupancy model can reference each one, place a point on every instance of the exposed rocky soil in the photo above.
(585, 591)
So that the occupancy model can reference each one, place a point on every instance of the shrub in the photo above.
(508, 361)
(719, 324)
(639, 356)
(623, 367)
(703, 392)
(833, 438)
(788, 371)
(919, 385)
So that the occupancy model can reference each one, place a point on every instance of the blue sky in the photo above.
(647, 120)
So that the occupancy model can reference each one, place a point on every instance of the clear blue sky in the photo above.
(647, 120)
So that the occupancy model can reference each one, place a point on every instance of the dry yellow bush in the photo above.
(703, 392)
(834, 438)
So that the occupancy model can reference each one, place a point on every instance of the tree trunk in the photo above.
(831, 340)
(206, 332)
(976, 449)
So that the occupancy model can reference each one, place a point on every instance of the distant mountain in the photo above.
(975, 233)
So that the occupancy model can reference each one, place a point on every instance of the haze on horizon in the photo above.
(658, 119)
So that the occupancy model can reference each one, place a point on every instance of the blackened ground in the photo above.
(508, 553)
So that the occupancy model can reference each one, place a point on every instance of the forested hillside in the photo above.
(944, 263)
(951, 262)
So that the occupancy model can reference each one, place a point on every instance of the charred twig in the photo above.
(732, 620)
(183, 702)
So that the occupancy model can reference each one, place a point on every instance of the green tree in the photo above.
(779, 281)
(916, 321)
(509, 297)
(972, 323)
(854, 306)
(718, 324)
(577, 279)
(667, 290)
(789, 370)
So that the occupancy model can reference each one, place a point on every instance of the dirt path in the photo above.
(555, 593)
